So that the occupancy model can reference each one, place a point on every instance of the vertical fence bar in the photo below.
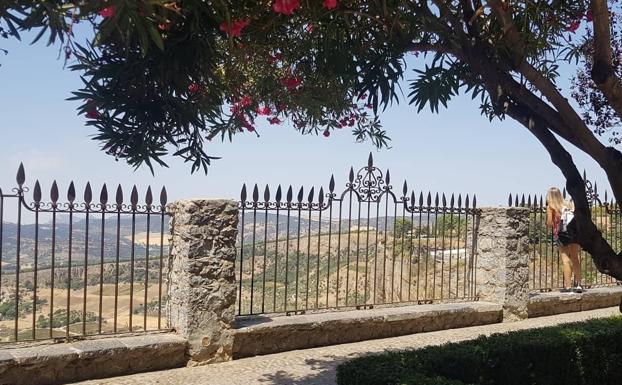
(37, 202)
(119, 207)
(276, 245)
(103, 201)
(163, 201)
(265, 248)
(70, 197)
(241, 278)
(18, 238)
(331, 188)
(148, 207)
(54, 198)
(87, 207)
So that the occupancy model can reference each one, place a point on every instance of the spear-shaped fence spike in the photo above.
(88, 194)
(119, 197)
(300, 194)
(71, 193)
(405, 189)
(331, 184)
(255, 193)
(290, 194)
(266, 194)
(163, 198)
(103, 196)
(134, 197)
(474, 201)
(21, 175)
(351, 175)
(149, 197)
(243, 193)
(370, 161)
(279, 194)
(510, 200)
(387, 178)
(522, 201)
(36, 194)
(54, 192)
(321, 196)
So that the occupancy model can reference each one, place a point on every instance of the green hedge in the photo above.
(585, 353)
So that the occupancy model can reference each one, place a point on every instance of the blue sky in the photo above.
(456, 150)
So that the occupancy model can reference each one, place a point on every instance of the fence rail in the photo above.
(80, 268)
(546, 266)
(362, 247)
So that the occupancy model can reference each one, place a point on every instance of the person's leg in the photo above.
(574, 252)
(566, 266)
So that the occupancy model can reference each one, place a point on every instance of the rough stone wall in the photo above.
(202, 289)
(503, 259)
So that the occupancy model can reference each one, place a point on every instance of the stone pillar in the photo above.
(201, 287)
(502, 274)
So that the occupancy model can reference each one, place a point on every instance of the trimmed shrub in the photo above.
(585, 353)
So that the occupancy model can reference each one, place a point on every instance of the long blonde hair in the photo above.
(555, 200)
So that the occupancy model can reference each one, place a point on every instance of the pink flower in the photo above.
(291, 82)
(245, 101)
(588, 16)
(194, 88)
(107, 12)
(274, 120)
(574, 25)
(286, 7)
(309, 28)
(92, 113)
(263, 111)
(326, 133)
(235, 28)
(330, 4)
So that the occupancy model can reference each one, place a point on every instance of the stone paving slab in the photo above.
(317, 366)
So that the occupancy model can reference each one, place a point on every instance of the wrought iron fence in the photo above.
(359, 248)
(546, 266)
(70, 269)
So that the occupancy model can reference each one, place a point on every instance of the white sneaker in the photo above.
(577, 289)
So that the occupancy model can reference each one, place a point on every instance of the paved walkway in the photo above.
(317, 366)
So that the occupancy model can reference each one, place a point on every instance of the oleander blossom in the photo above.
(286, 7)
(108, 12)
(330, 4)
(291, 82)
(234, 28)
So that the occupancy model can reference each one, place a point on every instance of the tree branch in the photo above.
(603, 72)
(510, 32)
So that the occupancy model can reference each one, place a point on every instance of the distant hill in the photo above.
(263, 227)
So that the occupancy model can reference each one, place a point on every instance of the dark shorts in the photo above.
(569, 236)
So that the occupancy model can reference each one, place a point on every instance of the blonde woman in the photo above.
(560, 217)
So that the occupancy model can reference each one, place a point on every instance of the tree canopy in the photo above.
(161, 75)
